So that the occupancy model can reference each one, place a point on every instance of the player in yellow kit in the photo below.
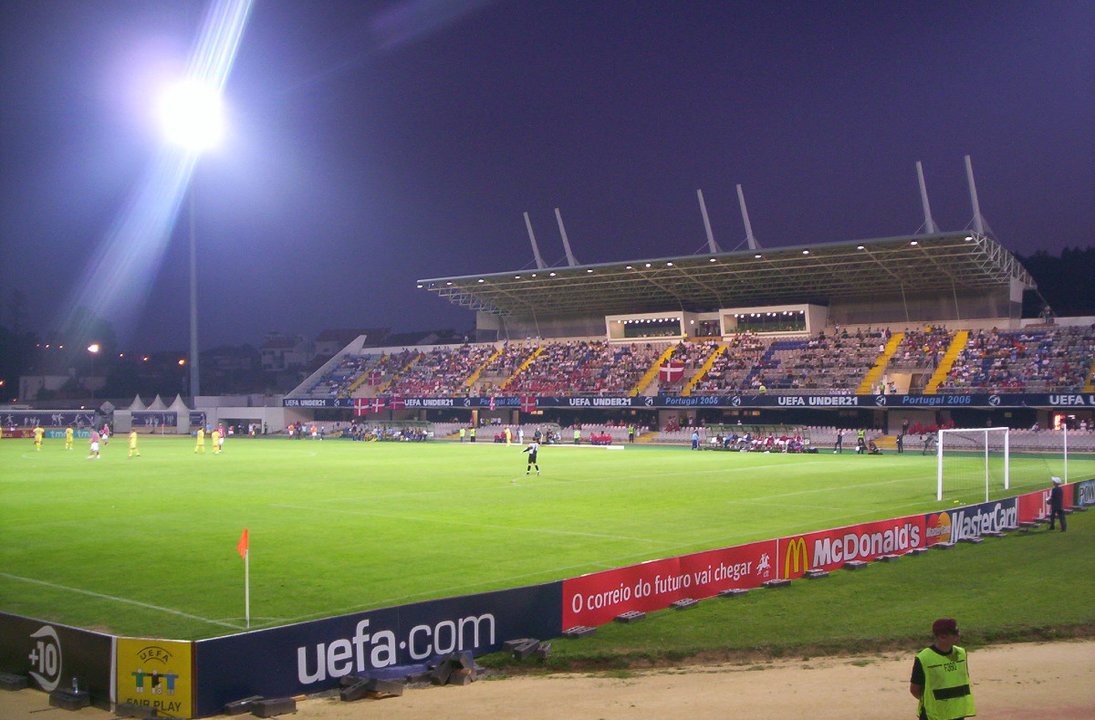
(133, 451)
(216, 441)
(199, 446)
(68, 438)
(39, 432)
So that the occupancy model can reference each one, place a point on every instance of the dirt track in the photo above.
(1055, 681)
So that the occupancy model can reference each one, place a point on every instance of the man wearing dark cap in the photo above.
(940, 677)
(1057, 504)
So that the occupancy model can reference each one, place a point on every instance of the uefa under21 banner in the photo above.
(784, 400)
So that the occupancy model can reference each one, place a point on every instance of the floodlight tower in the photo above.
(192, 118)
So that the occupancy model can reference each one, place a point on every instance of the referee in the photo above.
(532, 449)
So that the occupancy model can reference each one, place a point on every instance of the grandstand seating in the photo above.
(692, 355)
(835, 361)
(442, 372)
(585, 368)
(336, 381)
(1037, 361)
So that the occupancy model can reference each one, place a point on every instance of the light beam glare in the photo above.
(120, 273)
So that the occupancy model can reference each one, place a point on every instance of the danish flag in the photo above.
(376, 405)
(671, 371)
(361, 406)
(398, 403)
(528, 404)
(491, 402)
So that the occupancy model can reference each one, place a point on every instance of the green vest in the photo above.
(946, 685)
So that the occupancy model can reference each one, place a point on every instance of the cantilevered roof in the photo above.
(917, 264)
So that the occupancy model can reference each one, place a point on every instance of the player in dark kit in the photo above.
(532, 449)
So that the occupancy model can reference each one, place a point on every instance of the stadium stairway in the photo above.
(870, 380)
(359, 382)
(521, 368)
(651, 372)
(957, 345)
(707, 365)
(1089, 386)
(384, 388)
(470, 382)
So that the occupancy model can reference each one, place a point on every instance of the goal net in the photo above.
(972, 462)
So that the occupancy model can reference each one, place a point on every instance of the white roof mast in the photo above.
(566, 243)
(711, 244)
(535, 249)
(752, 241)
(978, 220)
(929, 224)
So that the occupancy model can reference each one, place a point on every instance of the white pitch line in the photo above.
(444, 521)
(114, 598)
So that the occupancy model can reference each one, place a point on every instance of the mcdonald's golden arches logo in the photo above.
(796, 560)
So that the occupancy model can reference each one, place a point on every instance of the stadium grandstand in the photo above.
(923, 329)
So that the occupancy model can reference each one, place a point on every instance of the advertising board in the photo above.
(830, 549)
(156, 674)
(57, 657)
(597, 598)
(970, 521)
(313, 656)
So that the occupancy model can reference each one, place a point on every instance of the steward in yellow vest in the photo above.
(940, 677)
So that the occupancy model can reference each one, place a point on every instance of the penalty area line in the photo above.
(114, 598)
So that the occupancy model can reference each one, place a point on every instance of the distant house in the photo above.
(329, 342)
(283, 352)
(447, 336)
(228, 358)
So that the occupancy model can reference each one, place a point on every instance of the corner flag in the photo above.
(241, 547)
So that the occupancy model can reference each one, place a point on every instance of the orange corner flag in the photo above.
(241, 546)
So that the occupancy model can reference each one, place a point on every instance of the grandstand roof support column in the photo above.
(957, 308)
(929, 223)
(749, 239)
(711, 244)
(978, 221)
(535, 249)
(566, 243)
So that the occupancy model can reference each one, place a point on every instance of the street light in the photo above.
(93, 350)
(192, 117)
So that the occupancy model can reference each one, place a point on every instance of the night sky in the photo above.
(376, 143)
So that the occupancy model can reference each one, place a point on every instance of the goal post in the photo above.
(985, 459)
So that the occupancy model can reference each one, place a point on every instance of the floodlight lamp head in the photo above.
(192, 115)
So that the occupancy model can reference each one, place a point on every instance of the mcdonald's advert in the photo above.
(156, 674)
(597, 598)
(830, 549)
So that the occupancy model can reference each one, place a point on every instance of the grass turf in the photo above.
(1022, 587)
(146, 546)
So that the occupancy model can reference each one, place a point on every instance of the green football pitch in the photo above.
(147, 546)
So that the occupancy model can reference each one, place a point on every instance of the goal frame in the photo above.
(984, 432)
